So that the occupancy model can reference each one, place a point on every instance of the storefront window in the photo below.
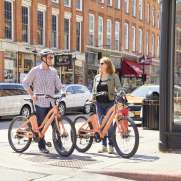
(10, 73)
(177, 65)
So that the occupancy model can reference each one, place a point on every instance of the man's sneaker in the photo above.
(110, 150)
(103, 149)
(44, 150)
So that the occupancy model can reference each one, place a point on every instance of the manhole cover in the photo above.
(73, 163)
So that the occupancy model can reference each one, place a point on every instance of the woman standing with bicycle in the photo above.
(106, 81)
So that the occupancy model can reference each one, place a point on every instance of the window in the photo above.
(147, 43)
(108, 35)
(148, 13)
(134, 8)
(78, 89)
(117, 4)
(8, 11)
(126, 7)
(78, 36)
(117, 35)
(133, 38)
(41, 29)
(70, 90)
(109, 2)
(140, 40)
(126, 36)
(158, 47)
(25, 24)
(67, 34)
(55, 1)
(91, 30)
(153, 44)
(54, 31)
(100, 32)
(79, 5)
(153, 17)
(67, 3)
(141, 9)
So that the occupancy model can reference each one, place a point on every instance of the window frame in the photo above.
(43, 42)
(126, 36)
(91, 31)
(117, 35)
(12, 20)
(100, 34)
(24, 6)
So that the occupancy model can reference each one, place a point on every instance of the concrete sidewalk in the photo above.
(147, 165)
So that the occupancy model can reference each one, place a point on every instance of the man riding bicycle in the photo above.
(44, 80)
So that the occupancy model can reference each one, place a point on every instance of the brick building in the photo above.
(87, 28)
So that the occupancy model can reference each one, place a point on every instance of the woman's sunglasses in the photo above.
(102, 63)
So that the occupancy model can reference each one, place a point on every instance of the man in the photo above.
(44, 80)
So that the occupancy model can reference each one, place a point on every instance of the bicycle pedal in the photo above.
(49, 144)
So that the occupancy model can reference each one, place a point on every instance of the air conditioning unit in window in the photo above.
(55, 1)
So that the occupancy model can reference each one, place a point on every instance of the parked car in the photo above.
(12, 100)
(135, 99)
(76, 97)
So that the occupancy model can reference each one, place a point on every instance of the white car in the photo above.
(76, 97)
(12, 100)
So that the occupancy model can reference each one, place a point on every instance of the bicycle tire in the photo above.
(88, 146)
(57, 140)
(136, 144)
(10, 136)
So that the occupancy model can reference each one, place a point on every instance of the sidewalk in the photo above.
(147, 165)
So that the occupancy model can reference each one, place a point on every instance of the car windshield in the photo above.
(144, 90)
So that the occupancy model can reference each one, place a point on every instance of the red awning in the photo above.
(131, 68)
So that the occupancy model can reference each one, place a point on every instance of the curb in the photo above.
(143, 176)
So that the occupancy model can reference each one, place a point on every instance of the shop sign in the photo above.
(63, 60)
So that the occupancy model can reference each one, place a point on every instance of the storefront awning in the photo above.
(131, 68)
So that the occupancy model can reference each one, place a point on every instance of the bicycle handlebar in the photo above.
(50, 97)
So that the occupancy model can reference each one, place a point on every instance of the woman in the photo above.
(106, 81)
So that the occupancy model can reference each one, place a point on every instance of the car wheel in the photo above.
(62, 108)
(25, 111)
(87, 109)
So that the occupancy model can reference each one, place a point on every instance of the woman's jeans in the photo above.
(102, 109)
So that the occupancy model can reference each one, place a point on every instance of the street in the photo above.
(32, 165)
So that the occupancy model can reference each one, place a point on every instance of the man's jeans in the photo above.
(41, 113)
(102, 109)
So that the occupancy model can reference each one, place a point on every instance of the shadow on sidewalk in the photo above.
(136, 158)
(54, 156)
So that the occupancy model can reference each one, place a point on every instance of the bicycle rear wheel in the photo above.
(84, 140)
(17, 135)
(64, 141)
(127, 144)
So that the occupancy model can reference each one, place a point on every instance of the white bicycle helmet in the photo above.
(45, 52)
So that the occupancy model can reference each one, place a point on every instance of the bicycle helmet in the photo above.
(45, 52)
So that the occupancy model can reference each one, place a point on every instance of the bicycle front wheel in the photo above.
(64, 136)
(18, 134)
(84, 139)
(126, 144)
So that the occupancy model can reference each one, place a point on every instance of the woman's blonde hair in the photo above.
(110, 66)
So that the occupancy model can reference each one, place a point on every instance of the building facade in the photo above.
(89, 29)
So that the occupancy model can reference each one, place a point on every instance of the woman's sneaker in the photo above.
(110, 150)
(103, 149)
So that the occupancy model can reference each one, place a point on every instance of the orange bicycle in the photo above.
(125, 135)
(23, 130)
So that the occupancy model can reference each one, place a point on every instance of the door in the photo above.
(81, 95)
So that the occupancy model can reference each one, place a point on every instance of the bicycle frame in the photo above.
(109, 118)
(53, 115)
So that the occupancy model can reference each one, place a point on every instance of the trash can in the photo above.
(151, 111)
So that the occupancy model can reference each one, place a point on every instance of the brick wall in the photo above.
(1, 66)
